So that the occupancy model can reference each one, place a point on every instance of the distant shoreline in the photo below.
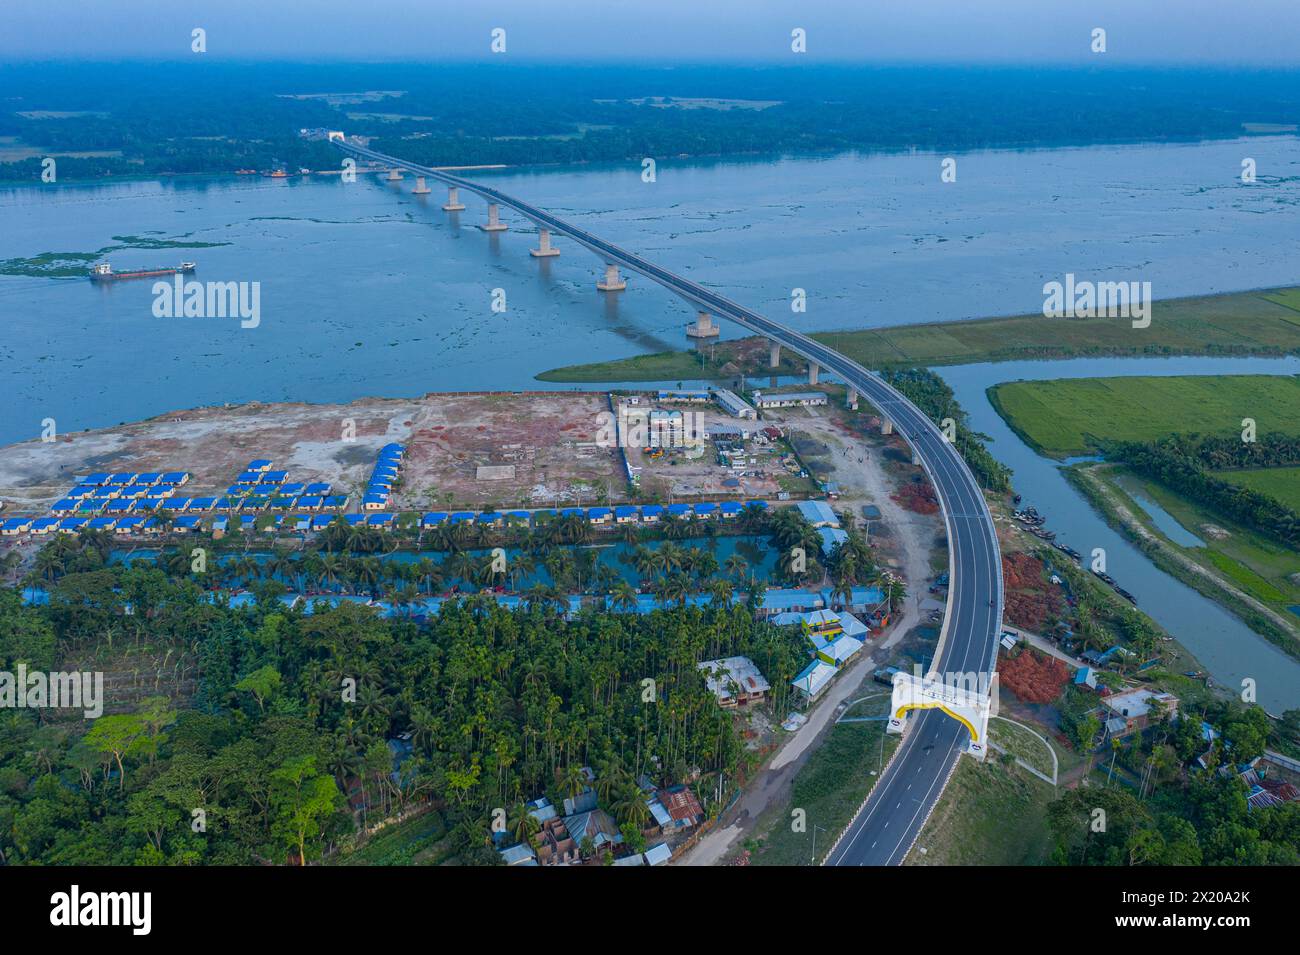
(1267, 131)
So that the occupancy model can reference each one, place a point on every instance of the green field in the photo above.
(1241, 323)
(1281, 484)
(1069, 416)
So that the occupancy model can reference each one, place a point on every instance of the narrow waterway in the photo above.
(1229, 650)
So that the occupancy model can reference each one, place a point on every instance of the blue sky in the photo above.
(1261, 32)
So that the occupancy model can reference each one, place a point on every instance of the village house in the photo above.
(1133, 710)
(735, 681)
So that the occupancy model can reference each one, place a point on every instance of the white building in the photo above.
(733, 404)
(789, 399)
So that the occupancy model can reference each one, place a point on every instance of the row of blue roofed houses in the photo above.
(125, 502)
(382, 477)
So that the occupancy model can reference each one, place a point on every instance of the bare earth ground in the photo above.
(547, 437)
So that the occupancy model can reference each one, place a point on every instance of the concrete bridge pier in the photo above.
(453, 203)
(544, 248)
(421, 189)
(774, 355)
(613, 282)
(703, 327)
(813, 371)
(851, 399)
(394, 174)
(886, 426)
(494, 223)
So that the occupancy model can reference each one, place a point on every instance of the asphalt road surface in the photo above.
(884, 831)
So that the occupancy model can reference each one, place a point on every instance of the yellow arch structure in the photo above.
(974, 735)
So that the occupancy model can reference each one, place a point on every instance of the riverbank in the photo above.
(1256, 322)
(1227, 649)
(1097, 485)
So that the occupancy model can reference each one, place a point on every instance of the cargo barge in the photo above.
(103, 272)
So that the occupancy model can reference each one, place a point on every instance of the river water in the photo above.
(366, 289)
(1229, 650)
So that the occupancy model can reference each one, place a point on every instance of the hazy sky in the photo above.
(1027, 31)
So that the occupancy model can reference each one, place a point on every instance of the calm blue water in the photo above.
(1229, 650)
(366, 289)
(1163, 520)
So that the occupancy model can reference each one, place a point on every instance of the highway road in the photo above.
(887, 826)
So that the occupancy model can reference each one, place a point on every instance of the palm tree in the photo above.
(460, 566)
(735, 565)
(430, 571)
(537, 596)
(522, 823)
(523, 564)
(623, 596)
(572, 780)
(631, 807)
(676, 589)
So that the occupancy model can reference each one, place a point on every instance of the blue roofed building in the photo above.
(832, 537)
(818, 513)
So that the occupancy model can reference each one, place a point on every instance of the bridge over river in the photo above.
(888, 824)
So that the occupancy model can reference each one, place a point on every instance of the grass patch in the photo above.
(1022, 744)
(1245, 578)
(661, 366)
(992, 813)
(829, 788)
(1281, 484)
(1070, 416)
(1241, 323)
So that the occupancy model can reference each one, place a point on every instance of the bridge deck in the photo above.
(889, 823)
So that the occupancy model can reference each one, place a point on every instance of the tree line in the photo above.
(1181, 463)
